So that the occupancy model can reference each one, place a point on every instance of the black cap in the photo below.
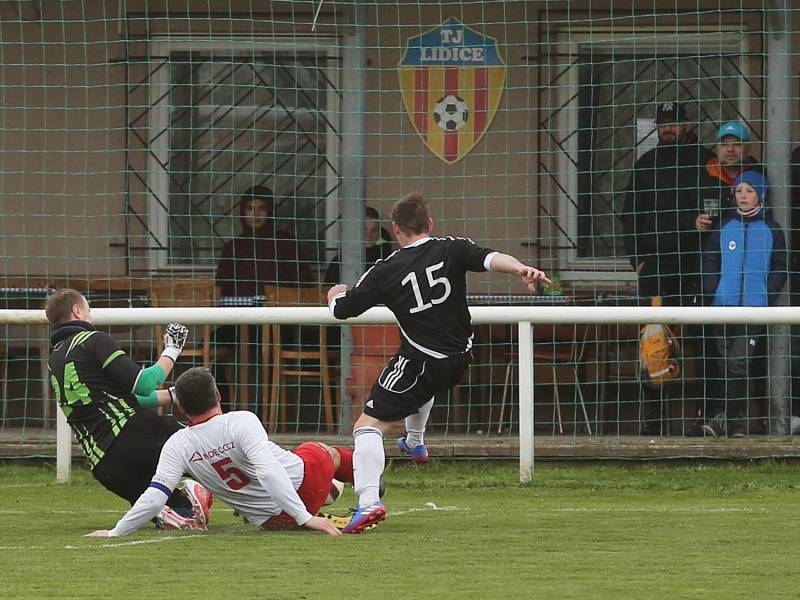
(670, 112)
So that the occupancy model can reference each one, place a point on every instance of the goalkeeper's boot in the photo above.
(419, 454)
(170, 520)
(201, 499)
(365, 517)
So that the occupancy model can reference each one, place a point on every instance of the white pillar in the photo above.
(63, 446)
(525, 340)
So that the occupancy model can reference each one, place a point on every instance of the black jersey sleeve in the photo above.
(472, 255)
(114, 362)
(364, 295)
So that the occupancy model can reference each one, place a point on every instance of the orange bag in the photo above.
(658, 351)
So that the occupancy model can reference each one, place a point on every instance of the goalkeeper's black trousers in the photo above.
(128, 466)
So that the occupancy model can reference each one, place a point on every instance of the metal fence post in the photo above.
(525, 401)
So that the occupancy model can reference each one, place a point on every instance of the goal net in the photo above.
(231, 156)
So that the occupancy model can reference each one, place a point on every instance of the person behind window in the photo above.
(794, 283)
(377, 245)
(731, 153)
(731, 157)
(659, 213)
(262, 254)
(661, 236)
(744, 264)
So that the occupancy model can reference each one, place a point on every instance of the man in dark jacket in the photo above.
(795, 220)
(377, 245)
(794, 282)
(660, 225)
(659, 216)
(262, 254)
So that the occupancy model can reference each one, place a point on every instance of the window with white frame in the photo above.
(228, 116)
(603, 119)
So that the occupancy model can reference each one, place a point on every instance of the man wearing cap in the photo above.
(731, 158)
(659, 221)
(660, 211)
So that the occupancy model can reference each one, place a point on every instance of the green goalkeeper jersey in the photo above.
(93, 381)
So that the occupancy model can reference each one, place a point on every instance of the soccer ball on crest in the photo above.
(451, 113)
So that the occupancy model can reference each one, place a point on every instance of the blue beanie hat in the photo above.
(756, 180)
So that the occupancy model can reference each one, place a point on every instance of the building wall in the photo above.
(63, 119)
(489, 195)
(62, 140)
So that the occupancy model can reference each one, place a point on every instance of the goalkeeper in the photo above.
(108, 401)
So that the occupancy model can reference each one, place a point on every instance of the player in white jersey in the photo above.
(233, 457)
(424, 285)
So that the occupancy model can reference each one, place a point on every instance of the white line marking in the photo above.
(429, 506)
(658, 510)
(12, 511)
(107, 545)
(121, 511)
(23, 485)
(136, 542)
(434, 507)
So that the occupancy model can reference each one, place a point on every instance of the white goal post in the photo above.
(524, 317)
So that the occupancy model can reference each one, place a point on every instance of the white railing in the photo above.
(524, 316)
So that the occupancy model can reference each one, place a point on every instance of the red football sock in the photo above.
(345, 470)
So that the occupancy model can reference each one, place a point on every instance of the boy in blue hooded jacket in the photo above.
(744, 264)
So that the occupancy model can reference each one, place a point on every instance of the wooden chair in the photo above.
(285, 360)
(193, 292)
(562, 346)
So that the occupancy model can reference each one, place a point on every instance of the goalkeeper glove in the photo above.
(174, 339)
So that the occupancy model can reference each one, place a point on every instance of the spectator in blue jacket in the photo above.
(744, 264)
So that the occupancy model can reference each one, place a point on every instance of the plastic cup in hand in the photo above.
(711, 207)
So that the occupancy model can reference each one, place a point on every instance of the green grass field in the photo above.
(459, 530)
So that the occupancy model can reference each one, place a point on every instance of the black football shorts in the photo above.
(129, 465)
(405, 384)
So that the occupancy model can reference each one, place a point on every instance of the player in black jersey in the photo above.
(108, 399)
(424, 285)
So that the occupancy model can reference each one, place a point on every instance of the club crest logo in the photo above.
(452, 80)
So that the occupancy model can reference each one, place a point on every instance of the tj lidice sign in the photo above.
(452, 79)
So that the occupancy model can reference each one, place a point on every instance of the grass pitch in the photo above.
(461, 530)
